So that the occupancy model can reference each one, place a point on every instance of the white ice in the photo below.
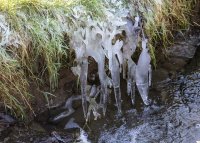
(143, 72)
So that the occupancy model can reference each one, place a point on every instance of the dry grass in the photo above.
(162, 18)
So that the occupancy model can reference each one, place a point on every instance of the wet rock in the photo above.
(175, 64)
(6, 118)
(160, 75)
(43, 116)
(56, 137)
(5, 130)
(76, 104)
(5, 122)
(37, 127)
(6, 140)
(184, 49)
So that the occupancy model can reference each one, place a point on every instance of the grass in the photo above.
(40, 27)
(37, 45)
(163, 18)
(13, 85)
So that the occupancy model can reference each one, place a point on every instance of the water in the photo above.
(177, 121)
(173, 116)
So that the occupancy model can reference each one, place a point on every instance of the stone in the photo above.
(37, 127)
(182, 49)
(159, 75)
(174, 64)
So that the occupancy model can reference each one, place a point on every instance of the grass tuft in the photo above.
(162, 18)
(33, 39)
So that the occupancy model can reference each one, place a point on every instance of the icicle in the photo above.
(114, 54)
(132, 33)
(83, 80)
(150, 75)
(94, 49)
(94, 92)
(128, 50)
(68, 106)
(104, 86)
(115, 73)
(82, 67)
(143, 72)
(131, 80)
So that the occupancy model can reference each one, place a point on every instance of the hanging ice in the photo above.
(83, 80)
(94, 106)
(115, 73)
(131, 80)
(143, 72)
(114, 55)
(98, 40)
(132, 34)
(92, 40)
(82, 60)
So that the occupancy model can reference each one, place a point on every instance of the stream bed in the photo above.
(173, 116)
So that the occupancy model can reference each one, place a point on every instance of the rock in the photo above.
(37, 127)
(6, 140)
(7, 119)
(182, 49)
(159, 75)
(174, 64)
(56, 137)
(43, 116)
(76, 104)
(5, 122)
(5, 130)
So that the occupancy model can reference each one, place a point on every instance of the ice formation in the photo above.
(8, 37)
(143, 72)
(71, 124)
(97, 39)
(68, 107)
(93, 107)
(132, 34)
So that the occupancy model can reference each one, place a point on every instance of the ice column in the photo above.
(143, 72)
